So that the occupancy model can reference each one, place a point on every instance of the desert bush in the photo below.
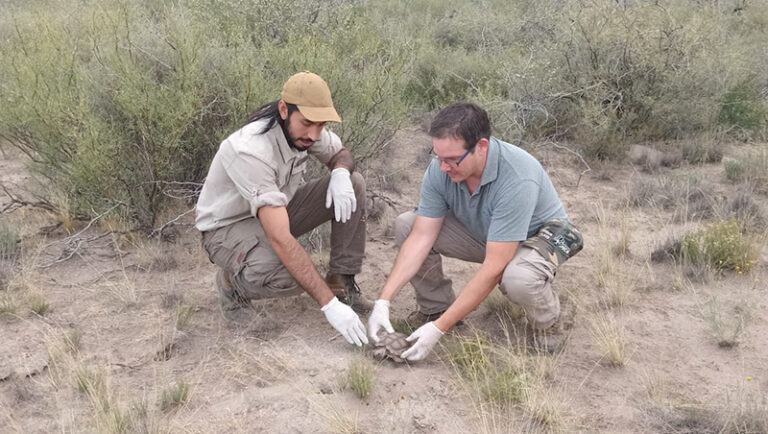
(723, 245)
(113, 101)
(146, 94)
(702, 150)
(752, 168)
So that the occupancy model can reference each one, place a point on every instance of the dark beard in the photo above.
(289, 138)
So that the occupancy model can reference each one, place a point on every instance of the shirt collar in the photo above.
(491, 170)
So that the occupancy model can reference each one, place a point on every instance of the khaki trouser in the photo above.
(527, 280)
(244, 250)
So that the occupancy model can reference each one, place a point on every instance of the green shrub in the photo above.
(723, 246)
(742, 108)
(145, 95)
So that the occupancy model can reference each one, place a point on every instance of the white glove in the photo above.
(426, 337)
(379, 318)
(342, 194)
(346, 321)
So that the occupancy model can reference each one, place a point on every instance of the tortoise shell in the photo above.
(391, 346)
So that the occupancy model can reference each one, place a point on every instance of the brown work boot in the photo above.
(417, 319)
(551, 340)
(346, 290)
(230, 299)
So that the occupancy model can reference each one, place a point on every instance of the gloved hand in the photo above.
(426, 337)
(346, 321)
(342, 194)
(379, 318)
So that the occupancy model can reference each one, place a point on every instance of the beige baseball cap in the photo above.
(311, 95)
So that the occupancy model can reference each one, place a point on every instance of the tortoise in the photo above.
(391, 346)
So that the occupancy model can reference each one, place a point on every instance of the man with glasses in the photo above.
(486, 201)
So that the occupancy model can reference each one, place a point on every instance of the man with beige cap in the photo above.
(254, 204)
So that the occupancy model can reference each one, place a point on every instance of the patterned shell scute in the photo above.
(391, 346)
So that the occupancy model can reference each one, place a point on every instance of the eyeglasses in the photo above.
(452, 162)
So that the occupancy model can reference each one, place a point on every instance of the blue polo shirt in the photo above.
(514, 198)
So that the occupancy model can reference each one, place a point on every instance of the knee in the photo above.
(358, 184)
(256, 283)
(403, 225)
(521, 284)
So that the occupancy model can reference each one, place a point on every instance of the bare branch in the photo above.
(577, 154)
(158, 231)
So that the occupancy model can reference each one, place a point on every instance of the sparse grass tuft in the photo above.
(183, 315)
(8, 305)
(610, 338)
(175, 396)
(9, 242)
(498, 376)
(727, 328)
(38, 304)
(334, 416)
(734, 169)
(702, 151)
(360, 376)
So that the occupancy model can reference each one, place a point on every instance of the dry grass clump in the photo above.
(610, 337)
(727, 327)
(360, 376)
(688, 196)
(175, 396)
(500, 379)
(333, 415)
(154, 255)
(703, 150)
(263, 367)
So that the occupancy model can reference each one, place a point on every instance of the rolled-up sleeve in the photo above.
(256, 180)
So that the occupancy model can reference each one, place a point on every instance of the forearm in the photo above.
(476, 290)
(299, 264)
(342, 159)
(409, 259)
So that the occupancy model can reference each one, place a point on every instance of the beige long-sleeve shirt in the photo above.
(251, 170)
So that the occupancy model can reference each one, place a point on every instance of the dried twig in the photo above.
(159, 230)
(577, 154)
(73, 242)
(17, 202)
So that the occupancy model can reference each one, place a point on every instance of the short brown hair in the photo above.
(462, 120)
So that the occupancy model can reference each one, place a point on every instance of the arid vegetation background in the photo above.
(649, 116)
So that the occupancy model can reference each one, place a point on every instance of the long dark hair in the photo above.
(269, 111)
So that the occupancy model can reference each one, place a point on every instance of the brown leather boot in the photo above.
(346, 290)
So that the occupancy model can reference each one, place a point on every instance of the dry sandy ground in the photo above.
(144, 316)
